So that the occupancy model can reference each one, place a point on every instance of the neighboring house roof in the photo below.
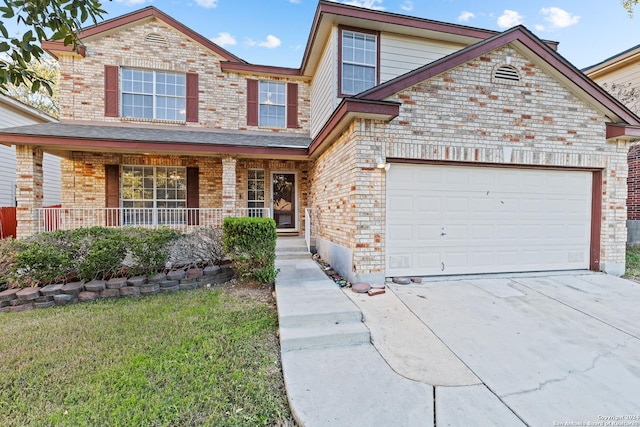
(150, 12)
(105, 137)
(26, 109)
(614, 62)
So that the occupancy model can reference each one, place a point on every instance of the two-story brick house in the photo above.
(419, 147)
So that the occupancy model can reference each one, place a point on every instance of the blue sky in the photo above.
(274, 32)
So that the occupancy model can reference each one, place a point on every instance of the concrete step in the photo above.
(320, 318)
(289, 249)
(293, 255)
(331, 335)
(309, 306)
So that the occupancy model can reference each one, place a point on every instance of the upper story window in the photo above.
(359, 62)
(146, 94)
(272, 104)
(153, 95)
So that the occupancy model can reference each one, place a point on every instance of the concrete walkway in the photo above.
(334, 375)
(471, 351)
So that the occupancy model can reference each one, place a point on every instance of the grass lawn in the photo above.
(189, 358)
(633, 263)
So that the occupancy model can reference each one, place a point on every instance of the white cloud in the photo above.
(510, 18)
(208, 4)
(559, 18)
(294, 1)
(539, 27)
(407, 6)
(271, 42)
(224, 39)
(465, 16)
(132, 2)
(369, 4)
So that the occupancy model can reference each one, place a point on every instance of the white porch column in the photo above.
(229, 185)
(29, 192)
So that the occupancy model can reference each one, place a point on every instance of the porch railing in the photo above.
(310, 225)
(50, 219)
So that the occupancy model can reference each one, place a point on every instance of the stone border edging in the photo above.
(25, 299)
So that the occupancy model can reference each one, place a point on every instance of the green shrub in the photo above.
(100, 252)
(7, 260)
(44, 258)
(149, 248)
(251, 243)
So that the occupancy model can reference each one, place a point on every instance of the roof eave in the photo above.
(348, 110)
(27, 109)
(612, 63)
(58, 48)
(129, 146)
(617, 131)
(245, 68)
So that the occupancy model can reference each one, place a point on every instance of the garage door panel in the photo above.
(429, 205)
(493, 219)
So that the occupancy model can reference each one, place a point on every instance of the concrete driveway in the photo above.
(516, 350)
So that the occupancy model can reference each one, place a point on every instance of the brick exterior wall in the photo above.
(222, 96)
(83, 183)
(463, 116)
(633, 182)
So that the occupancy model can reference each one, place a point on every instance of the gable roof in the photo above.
(149, 12)
(522, 38)
(330, 13)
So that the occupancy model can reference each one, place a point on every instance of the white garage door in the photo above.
(463, 220)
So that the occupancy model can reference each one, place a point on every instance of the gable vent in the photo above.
(507, 72)
(158, 39)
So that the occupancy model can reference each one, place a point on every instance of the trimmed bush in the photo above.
(149, 248)
(7, 260)
(100, 252)
(44, 258)
(251, 244)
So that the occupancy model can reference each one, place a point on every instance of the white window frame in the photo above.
(150, 213)
(180, 113)
(371, 64)
(256, 210)
(267, 98)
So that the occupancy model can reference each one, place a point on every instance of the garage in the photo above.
(444, 220)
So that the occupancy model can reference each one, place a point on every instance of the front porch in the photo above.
(151, 190)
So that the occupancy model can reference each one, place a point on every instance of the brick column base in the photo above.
(29, 192)
(229, 185)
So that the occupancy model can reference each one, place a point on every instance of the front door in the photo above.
(283, 190)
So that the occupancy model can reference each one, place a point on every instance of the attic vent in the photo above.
(507, 72)
(156, 39)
